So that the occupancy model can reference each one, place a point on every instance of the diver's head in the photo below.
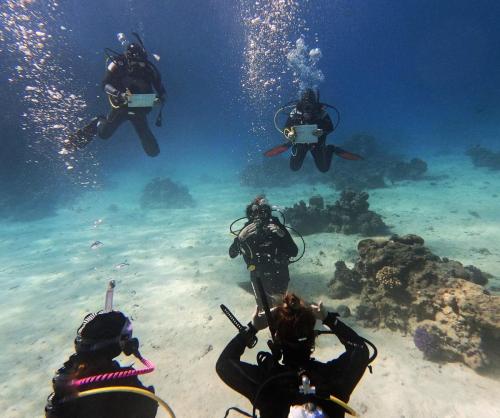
(308, 410)
(105, 335)
(294, 329)
(308, 104)
(259, 209)
(135, 53)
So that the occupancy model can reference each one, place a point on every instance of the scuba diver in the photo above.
(306, 129)
(118, 393)
(129, 82)
(299, 385)
(266, 246)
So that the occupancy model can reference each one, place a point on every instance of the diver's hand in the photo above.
(275, 229)
(319, 311)
(289, 133)
(318, 132)
(123, 97)
(259, 320)
(246, 232)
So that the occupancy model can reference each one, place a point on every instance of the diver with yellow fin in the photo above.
(306, 129)
(129, 83)
(92, 384)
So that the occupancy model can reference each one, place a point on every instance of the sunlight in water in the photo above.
(54, 106)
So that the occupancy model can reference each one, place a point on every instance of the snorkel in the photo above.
(127, 344)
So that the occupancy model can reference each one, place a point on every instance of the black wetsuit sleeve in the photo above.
(287, 243)
(238, 375)
(346, 371)
(293, 119)
(234, 249)
(157, 83)
(325, 124)
(110, 83)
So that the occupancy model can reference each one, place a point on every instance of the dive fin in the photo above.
(81, 138)
(278, 149)
(346, 155)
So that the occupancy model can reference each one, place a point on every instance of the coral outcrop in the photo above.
(483, 157)
(350, 214)
(403, 286)
(163, 193)
(378, 164)
(402, 170)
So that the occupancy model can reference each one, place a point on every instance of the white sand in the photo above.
(179, 273)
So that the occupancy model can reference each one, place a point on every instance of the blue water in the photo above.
(423, 77)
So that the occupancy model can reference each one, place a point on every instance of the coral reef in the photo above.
(378, 165)
(401, 170)
(350, 214)
(404, 286)
(483, 157)
(163, 193)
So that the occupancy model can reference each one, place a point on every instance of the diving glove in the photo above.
(249, 335)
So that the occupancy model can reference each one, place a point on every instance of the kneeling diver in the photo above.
(129, 77)
(298, 385)
(306, 129)
(92, 384)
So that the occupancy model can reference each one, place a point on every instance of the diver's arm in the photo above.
(110, 81)
(292, 120)
(287, 243)
(346, 370)
(157, 83)
(240, 376)
(325, 124)
(234, 249)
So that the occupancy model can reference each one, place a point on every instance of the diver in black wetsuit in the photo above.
(267, 247)
(101, 337)
(309, 111)
(127, 74)
(275, 388)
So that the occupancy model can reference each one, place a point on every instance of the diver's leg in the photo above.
(299, 152)
(278, 284)
(106, 127)
(81, 138)
(266, 278)
(148, 140)
(322, 155)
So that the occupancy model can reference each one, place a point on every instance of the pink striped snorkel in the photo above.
(128, 344)
(149, 367)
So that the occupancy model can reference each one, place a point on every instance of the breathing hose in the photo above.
(129, 389)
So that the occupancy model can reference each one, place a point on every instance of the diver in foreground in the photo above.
(118, 392)
(306, 129)
(267, 247)
(129, 82)
(298, 386)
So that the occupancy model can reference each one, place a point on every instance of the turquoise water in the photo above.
(422, 78)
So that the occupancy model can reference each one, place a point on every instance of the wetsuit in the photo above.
(270, 254)
(139, 78)
(108, 405)
(337, 377)
(321, 152)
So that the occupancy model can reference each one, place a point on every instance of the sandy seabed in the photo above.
(179, 272)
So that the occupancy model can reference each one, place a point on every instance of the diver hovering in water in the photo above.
(306, 129)
(129, 82)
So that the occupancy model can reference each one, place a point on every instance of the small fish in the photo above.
(122, 265)
(96, 244)
(98, 222)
